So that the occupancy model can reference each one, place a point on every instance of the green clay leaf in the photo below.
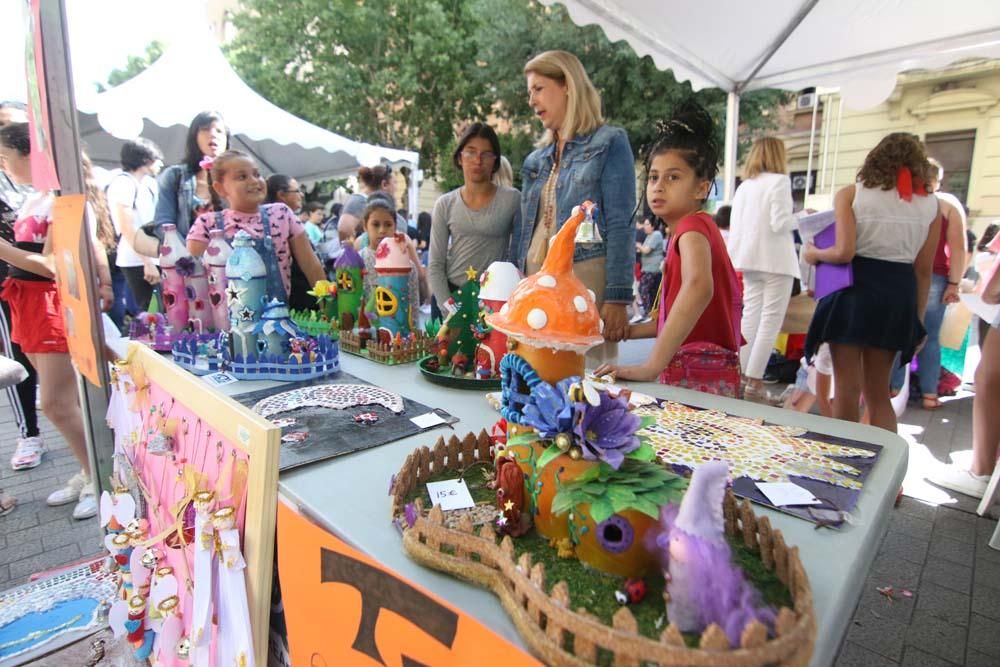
(644, 453)
(548, 456)
(562, 502)
(601, 509)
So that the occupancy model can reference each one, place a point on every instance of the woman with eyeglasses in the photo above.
(579, 157)
(472, 225)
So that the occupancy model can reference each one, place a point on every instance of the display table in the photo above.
(348, 496)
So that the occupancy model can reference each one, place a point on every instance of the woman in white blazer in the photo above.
(762, 247)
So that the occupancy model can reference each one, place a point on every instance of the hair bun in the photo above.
(693, 117)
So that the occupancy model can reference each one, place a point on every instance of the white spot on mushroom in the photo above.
(537, 319)
(602, 326)
(547, 281)
(580, 304)
(593, 297)
(504, 308)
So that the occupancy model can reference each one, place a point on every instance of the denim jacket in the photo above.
(599, 167)
(174, 206)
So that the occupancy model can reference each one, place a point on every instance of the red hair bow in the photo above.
(907, 185)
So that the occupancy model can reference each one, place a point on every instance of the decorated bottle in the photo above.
(199, 309)
(175, 300)
(246, 291)
(216, 256)
(350, 287)
(392, 291)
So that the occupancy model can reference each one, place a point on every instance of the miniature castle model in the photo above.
(263, 343)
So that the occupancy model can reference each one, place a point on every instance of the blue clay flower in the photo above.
(185, 266)
(550, 411)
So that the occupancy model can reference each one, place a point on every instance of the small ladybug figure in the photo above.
(633, 592)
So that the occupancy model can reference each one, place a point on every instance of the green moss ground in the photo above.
(594, 590)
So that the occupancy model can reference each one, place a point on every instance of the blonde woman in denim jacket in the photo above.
(579, 158)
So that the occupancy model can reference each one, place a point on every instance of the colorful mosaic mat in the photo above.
(833, 469)
(328, 417)
(45, 615)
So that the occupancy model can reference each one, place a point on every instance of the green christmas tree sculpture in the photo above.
(463, 323)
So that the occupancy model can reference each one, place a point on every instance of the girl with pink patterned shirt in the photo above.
(236, 179)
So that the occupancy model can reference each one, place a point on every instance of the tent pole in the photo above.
(812, 138)
(732, 143)
(414, 194)
(827, 123)
(64, 135)
(836, 145)
(799, 17)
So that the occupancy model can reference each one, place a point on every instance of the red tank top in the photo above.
(720, 323)
(942, 258)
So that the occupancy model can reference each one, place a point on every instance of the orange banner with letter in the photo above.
(72, 267)
(343, 608)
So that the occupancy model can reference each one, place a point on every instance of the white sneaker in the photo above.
(28, 453)
(960, 480)
(70, 493)
(87, 505)
(635, 319)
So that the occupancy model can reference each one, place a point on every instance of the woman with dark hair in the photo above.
(471, 225)
(186, 188)
(372, 180)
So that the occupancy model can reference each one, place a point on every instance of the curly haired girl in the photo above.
(887, 228)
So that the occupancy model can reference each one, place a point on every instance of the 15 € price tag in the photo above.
(451, 494)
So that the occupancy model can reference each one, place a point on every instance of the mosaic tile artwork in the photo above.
(334, 396)
(762, 452)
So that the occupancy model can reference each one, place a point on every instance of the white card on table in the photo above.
(220, 379)
(451, 494)
(428, 420)
(783, 494)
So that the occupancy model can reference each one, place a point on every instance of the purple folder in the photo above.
(830, 277)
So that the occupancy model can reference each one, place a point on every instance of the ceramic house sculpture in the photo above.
(350, 283)
(216, 256)
(175, 300)
(391, 298)
(495, 287)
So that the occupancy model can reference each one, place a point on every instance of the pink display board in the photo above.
(199, 454)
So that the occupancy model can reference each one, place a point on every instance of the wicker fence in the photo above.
(545, 618)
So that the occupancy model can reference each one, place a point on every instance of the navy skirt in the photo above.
(878, 310)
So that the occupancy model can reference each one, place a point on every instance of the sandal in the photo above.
(931, 403)
(7, 504)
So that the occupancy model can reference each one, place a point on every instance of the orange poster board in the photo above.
(344, 609)
(72, 268)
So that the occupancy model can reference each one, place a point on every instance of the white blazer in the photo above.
(761, 225)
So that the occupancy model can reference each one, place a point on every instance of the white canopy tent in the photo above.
(160, 103)
(858, 46)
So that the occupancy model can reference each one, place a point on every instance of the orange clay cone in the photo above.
(553, 309)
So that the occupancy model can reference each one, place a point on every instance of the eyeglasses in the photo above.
(485, 156)
(293, 192)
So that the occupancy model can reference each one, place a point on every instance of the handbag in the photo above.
(704, 367)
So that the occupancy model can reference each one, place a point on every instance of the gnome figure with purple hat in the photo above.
(704, 585)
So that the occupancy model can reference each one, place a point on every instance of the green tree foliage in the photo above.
(411, 73)
(134, 66)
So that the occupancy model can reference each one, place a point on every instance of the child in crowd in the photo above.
(380, 223)
(812, 384)
(314, 213)
(698, 324)
(236, 179)
(651, 254)
(887, 227)
(36, 312)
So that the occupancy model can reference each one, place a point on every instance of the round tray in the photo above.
(463, 382)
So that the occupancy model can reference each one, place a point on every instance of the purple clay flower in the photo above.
(392, 483)
(185, 266)
(410, 512)
(550, 411)
(606, 432)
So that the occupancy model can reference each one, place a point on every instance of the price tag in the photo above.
(450, 494)
(782, 494)
(220, 379)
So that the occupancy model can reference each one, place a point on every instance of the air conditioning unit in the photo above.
(801, 182)
(805, 101)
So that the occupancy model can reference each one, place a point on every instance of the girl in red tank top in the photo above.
(697, 327)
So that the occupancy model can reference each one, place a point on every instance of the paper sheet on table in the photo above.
(428, 420)
(451, 494)
(782, 494)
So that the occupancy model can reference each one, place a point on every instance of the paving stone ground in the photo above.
(937, 552)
